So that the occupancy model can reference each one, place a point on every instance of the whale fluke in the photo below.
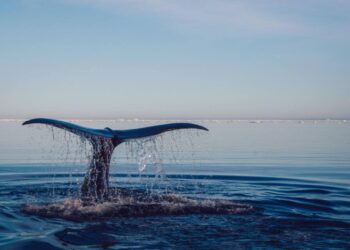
(75, 129)
(120, 135)
(103, 142)
(153, 130)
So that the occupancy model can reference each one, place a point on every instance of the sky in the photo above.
(175, 59)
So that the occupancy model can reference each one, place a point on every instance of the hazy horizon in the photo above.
(172, 118)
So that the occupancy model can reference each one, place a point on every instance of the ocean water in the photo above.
(242, 185)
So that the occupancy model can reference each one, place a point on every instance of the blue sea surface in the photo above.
(294, 175)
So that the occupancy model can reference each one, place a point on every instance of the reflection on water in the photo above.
(278, 185)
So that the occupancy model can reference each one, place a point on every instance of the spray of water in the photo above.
(152, 195)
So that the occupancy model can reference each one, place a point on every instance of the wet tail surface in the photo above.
(107, 133)
(104, 141)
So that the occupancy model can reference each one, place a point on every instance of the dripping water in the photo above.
(151, 158)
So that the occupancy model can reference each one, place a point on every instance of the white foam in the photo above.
(132, 205)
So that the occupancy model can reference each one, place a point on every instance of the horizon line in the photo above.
(181, 119)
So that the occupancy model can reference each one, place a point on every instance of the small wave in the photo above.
(127, 203)
(308, 191)
(30, 244)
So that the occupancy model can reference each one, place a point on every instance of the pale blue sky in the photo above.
(175, 59)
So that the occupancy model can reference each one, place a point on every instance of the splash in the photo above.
(134, 203)
(98, 200)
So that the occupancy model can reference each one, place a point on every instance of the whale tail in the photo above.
(118, 136)
(104, 141)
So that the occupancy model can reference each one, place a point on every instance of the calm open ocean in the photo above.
(291, 177)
